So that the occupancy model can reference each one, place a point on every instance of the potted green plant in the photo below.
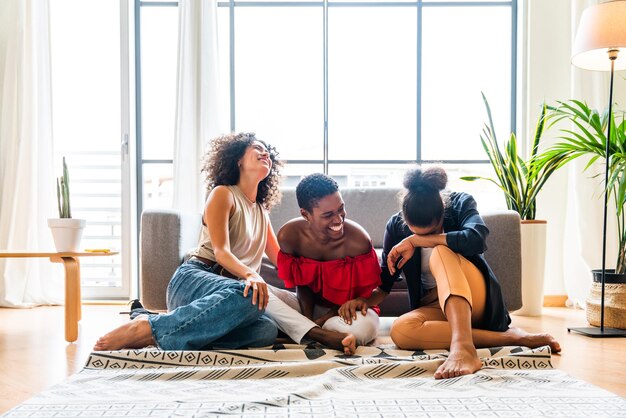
(66, 231)
(588, 138)
(521, 181)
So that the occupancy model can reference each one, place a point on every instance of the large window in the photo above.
(157, 44)
(90, 122)
(357, 89)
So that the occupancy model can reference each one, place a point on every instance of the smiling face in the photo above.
(328, 216)
(256, 159)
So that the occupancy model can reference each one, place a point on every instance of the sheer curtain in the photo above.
(199, 105)
(26, 173)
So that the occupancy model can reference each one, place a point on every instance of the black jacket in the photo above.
(466, 234)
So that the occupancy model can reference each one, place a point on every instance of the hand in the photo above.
(402, 251)
(348, 310)
(260, 293)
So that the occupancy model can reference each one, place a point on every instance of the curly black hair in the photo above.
(314, 187)
(422, 203)
(220, 166)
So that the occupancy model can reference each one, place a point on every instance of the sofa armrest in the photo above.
(166, 236)
(504, 254)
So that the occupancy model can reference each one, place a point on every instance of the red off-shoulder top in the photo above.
(337, 281)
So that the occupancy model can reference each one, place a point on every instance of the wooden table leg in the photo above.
(79, 298)
(72, 296)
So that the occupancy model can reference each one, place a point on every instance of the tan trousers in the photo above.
(426, 327)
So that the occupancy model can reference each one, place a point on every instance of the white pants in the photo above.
(284, 309)
(364, 327)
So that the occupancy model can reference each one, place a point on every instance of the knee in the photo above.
(405, 332)
(267, 332)
(232, 294)
(440, 252)
(335, 324)
(235, 287)
(442, 249)
(363, 330)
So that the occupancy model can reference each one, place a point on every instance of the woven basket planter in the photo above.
(614, 301)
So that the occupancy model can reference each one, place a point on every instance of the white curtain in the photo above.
(584, 217)
(546, 78)
(26, 173)
(199, 104)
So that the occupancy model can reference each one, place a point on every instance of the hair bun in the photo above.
(431, 179)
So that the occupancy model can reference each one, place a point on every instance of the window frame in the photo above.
(325, 162)
(419, 5)
(128, 250)
(139, 160)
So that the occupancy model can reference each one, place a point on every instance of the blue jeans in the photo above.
(206, 310)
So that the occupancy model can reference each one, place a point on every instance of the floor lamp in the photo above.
(600, 45)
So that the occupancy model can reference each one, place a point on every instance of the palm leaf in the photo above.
(589, 138)
(519, 179)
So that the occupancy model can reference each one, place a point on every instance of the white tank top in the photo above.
(428, 280)
(247, 232)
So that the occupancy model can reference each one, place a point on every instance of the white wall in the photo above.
(574, 223)
(548, 79)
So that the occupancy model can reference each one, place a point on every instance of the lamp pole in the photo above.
(601, 30)
(612, 56)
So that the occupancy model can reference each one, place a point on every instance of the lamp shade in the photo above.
(602, 27)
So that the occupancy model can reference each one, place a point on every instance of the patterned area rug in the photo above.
(298, 381)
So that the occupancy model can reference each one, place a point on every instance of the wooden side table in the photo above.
(72, 282)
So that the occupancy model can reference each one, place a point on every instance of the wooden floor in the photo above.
(34, 354)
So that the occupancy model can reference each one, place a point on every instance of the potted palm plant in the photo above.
(521, 181)
(66, 231)
(588, 138)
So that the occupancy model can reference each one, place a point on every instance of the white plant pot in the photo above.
(66, 233)
(533, 265)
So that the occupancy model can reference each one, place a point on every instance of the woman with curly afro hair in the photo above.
(217, 298)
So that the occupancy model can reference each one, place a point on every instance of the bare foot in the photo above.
(349, 344)
(337, 340)
(462, 360)
(134, 334)
(534, 340)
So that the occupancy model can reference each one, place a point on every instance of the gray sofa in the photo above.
(167, 236)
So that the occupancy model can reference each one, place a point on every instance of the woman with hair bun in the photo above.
(437, 241)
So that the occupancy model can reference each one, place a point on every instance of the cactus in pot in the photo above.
(63, 193)
(66, 231)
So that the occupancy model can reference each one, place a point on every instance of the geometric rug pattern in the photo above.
(298, 381)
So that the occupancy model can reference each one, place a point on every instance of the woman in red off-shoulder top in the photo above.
(329, 259)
